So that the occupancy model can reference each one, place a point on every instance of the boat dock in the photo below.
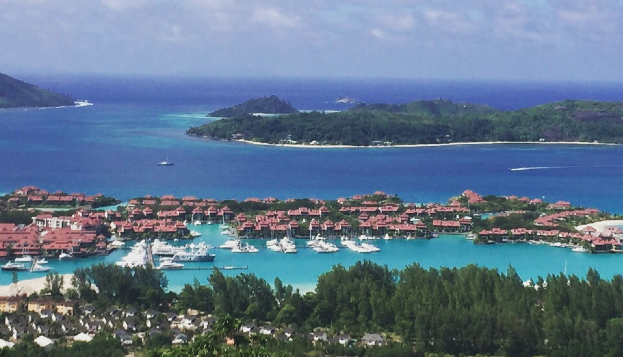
(150, 256)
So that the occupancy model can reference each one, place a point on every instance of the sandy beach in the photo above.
(309, 146)
(599, 226)
(29, 286)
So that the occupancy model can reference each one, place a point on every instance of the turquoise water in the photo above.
(113, 146)
(302, 269)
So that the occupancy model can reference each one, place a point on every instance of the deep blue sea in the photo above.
(113, 146)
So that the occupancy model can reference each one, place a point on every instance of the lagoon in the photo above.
(302, 269)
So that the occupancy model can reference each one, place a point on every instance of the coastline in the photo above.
(29, 286)
(308, 146)
(601, 225)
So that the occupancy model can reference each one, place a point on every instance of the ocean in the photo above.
(112, 147)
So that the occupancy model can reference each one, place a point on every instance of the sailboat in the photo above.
(166, 162)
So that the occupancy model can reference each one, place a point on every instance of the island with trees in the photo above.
(427, 122)
(15, 93)
(264, 105)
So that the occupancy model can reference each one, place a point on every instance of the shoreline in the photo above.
(309, 146)
(601, 225)
(32, 285)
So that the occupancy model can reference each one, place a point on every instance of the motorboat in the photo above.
(168, 264)
(580, 249)
(387, 237)
(370, 247)
(244, 248)
(65, 256)
(470, 236)
(12, 266)
(24, 259)
(37, 268)
(199, 255)
(41, 261)
(230, 243)
(197, 223)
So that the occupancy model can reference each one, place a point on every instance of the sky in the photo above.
(544, 40)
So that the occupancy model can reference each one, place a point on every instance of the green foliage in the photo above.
(138, 286)
(430, 122)
(17, 217)
(267, 105)
(53, 286)
(15, 93)
(104, 201)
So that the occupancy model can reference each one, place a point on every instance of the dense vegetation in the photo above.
(268, 105)
(469, 310)
(421, 312)
(15, 93)
(429, 122)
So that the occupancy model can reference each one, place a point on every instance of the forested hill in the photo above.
(428, 108)
(15, 93)
(429, 122)
(267, 105)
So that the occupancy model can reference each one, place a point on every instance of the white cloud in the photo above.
(121, 5)
(275, 18)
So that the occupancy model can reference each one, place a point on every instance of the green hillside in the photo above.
(15, 93)
(268, 105)
(438, 107)
(429, 122)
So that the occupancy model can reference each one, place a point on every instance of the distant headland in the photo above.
(15, 93)
(420, 123)
(264, 105)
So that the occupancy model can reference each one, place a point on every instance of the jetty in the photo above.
(150, 255)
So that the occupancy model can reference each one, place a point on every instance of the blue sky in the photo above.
(441, 39)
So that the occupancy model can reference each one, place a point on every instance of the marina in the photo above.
(302, 269)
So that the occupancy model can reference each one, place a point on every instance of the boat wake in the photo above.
(541, 168)
(557, 167)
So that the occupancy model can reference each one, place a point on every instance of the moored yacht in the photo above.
(24, 259)
(12, 266)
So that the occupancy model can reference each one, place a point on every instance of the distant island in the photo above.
(426, 122)
(264, 105)
(15, 93)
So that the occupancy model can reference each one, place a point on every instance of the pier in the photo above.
(150, 256)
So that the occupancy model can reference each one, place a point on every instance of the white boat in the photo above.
(170, 265)
(244, 248)
(195, 234)
(197, 223)
(196, 255)
(24, 259)
(580, 249)
(324, 247)
(165, 163)
(36, 268)
(42, 261)
(116, 243)
(370, 247)
(556, 244)
(12, 266)
(470, 236)
(387, 237)
(230, 244)
(65, 256)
